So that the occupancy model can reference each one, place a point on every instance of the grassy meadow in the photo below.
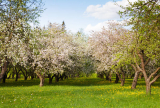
(83, 92)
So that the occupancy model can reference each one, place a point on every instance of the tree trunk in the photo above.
(122, 82)
(117, 79)
(50, 78)
(12, 75)
(121, 78)
(61, 76)
(148, 88)
(110, 77)
(132, 75)
(35, 76)
(41, 81)
(65, 76)
(16, 77)
(107, 76)
(56, 78)
(25, 77)
(32, 76)
(42, 78)
(100, 75)
(126, 76)
(134, 83)
(3, 71)
(142, 69)
(4, 78)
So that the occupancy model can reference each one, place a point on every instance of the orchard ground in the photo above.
(90, 92)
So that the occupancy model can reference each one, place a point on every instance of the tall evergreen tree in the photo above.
(63, 26)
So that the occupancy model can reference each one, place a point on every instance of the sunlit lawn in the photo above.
(77, 93)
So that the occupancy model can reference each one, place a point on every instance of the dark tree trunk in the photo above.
(117, 79)
(107, 76)
(50, 78)
(134, 83)
(65, 76)
(126, 76)
(110, 77)
(4, 78)
(101, 75)
(61, 77)
(123, 76)
(132, 75)
(32, 76)
(25, 77)
(3, 70)
(16, 70)
(24, 72)
(35, 76)
(16, 77)
(12, 75)
(56, 78)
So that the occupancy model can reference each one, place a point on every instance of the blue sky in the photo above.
(80, 14)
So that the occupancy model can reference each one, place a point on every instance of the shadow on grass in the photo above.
(20, 82)
(67, 82)
(71, 82)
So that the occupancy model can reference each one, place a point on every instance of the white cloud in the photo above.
(108, 11)
(99, 26)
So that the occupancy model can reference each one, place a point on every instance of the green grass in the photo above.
(77, 93)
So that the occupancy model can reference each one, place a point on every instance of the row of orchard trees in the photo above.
(117, 49)
(15, 17)
(50, 51)
(54, 51)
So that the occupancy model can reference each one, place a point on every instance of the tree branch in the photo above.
(137, 64)
(142, 62)
(154, 79)
(134, 67)
(119, 76)
(147, 3)
(146, 62)
(154, 73)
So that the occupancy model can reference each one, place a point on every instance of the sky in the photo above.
(86, 15)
